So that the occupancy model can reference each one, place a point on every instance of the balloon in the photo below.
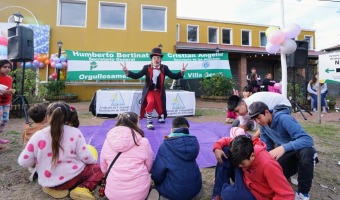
(3, 41)
(276, 37)
(47, 62)
(50, 78)
(272, 48)
(93, 151)
(35, 62)
(53, 65)
(56, 60)
(288, 46)
(270, 29)
(44, 58)
(28, 64)
(54, 75)
(59, 66)
(64, 64)
(4, 32)
(62, 58)
(292, 31)
(41, 65)
(3, 50)
(40, 59)
(62, 77)
(277, 86)
(36, 57)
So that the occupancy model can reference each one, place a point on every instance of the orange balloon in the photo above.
(40, 59)
(45, 57)
(47, 62)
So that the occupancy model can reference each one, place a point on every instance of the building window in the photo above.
(246, 38)
(153, 18)
(112, 15)
(177, 32)
(72, 13)
(213, 35)
(226, 36)
(309, 38)
(263, 39)
(192, 33)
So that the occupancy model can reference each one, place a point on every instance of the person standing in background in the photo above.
(5, 97)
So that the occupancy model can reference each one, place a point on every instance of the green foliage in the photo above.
(298, 92)
(216, 85)
(53, 88)
(29, 84)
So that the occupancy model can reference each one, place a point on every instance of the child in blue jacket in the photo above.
(175, 171)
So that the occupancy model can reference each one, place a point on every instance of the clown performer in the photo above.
(153, 96)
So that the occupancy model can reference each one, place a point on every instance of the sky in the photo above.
(320, 15)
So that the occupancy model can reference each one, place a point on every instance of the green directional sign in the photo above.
(329, 70)
(328, 67)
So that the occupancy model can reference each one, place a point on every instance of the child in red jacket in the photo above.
(262, 175)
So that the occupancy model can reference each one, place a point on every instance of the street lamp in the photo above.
(60, 44)
(18, 18)
(217, 50)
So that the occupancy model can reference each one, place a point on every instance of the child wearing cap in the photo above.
(175, 172)
(256, 175)
(288, 143)
(275, 102)
(153, 95)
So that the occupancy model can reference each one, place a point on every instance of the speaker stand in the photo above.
(21, 98)
(297, 107)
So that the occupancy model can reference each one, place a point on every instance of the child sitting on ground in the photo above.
(38, 114)
(262, 175)
(175, 172)
(62, 158)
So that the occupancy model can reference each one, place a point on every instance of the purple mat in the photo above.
(206, 132)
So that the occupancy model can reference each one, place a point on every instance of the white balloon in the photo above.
(4, 32)
(292, 31)
(288, 46)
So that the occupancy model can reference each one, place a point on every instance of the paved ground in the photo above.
(16, 124)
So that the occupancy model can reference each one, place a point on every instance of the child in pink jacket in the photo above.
(129, 177)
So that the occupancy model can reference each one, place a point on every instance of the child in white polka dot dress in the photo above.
(61, 157)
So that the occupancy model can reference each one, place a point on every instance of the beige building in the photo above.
(139, 26)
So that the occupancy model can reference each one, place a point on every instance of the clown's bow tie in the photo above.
(158, 68)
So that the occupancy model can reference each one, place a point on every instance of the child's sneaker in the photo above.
(153, 195)
(81, 194)
(300, 196)
(57, 194)
(294, 179)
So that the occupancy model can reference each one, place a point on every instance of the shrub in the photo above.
(216, 85)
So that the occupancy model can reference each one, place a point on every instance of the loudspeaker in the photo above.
(20, 44)
(300, 57)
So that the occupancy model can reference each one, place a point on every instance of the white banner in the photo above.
(178, 103)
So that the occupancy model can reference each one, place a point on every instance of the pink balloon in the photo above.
(64, 64)
(3, 41)
(276, 37)
(292, 31)
(277, 86)
(53, 64)
(272, 48)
